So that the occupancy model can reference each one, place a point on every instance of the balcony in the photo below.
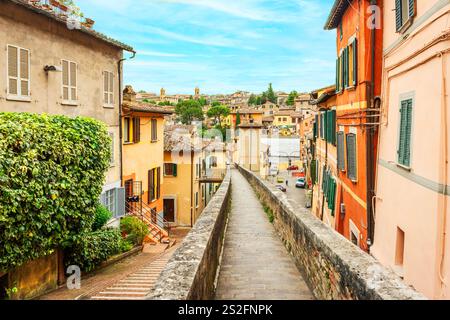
(212, 175)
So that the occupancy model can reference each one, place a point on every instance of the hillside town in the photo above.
(347, 178)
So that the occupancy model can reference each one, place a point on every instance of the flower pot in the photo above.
(88, 23)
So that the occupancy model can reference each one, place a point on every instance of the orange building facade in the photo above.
(358, 87)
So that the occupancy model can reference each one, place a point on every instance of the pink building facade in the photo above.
(412, 183)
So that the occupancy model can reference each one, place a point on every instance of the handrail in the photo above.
(150, 217)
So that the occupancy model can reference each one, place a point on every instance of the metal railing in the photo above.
(213, 174)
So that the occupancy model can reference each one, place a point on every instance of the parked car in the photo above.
(300, 183)
(280, 180)
(280, 187)
(292, 168)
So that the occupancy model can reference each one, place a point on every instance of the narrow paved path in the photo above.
(255, 263)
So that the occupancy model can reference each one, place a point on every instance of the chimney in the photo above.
(128, 94)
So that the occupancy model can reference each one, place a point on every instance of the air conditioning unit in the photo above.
(343, 208)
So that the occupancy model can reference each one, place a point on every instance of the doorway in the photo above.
(169, 210)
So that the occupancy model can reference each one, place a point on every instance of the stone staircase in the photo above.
(136, 285)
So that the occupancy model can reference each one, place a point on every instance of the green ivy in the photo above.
(52, 169)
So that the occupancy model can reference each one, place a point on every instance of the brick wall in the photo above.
(332, 266)
(191, 272)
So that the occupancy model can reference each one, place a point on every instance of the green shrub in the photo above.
(102, 216)
(52, 169)
(126, 245)
(269, 213)
(91, 249)
(135, 229)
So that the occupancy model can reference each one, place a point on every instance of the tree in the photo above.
(215, 104)
(271, 94)
(203, 102)
(252, 99)
(188, 111)
(264, 98)
(238, 119)
(218, 113)
(258, 101)
(291, 99)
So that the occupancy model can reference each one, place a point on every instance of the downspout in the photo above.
(369, 144)
(325, 164)
(119, 69)
(192, 187)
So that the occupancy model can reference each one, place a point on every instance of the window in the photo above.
(136, 130)
(69, 81)
(400, 247)
(352, 67)
(341, 151)
(203, 192)
(354, 233)
(127, 129)
(108, 88)
(405, 10)
(196, 199)
(18, 85)
(351, 156)
(213, 161)
(154, 130)
(284, 119)
(170, 169)
(111, 159)
(110, 200)
(154, 184)
(404, 142)
(330, 126)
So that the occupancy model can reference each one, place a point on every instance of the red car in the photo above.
(292, 168)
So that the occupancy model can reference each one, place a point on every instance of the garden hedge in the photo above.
(52, 169)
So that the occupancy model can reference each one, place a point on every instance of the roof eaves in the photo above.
(335, 16)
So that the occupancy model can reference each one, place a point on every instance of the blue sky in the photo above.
(221, 45)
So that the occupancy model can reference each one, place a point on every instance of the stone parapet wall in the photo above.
(332, 266)
(191, 272)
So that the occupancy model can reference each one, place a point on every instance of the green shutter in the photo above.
(355, 62)
(333, 127)
(175, 169)
(337, 74)
(340, 151)
(312, 170)
(404, 149)
(351, 156)
(398, 15)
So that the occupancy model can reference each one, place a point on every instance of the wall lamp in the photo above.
(52, 68)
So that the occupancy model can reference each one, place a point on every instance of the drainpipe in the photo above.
(119, 69)
(325, 163)
(192, 187)
(370, 167)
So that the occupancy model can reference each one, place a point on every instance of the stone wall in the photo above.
(191, 272)
(332, 266)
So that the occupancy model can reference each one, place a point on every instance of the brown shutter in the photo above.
(158, 181)
(13, 70)
(151, 188)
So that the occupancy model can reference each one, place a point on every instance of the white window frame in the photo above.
(110, 102)
(69, 101)
(18, 96)
(110, 200)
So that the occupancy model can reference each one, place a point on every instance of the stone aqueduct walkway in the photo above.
(255, 263)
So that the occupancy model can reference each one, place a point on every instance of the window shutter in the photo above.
(411, 8)
(312, 170)
(105, 87)
(340, 151)
(346, 66)
(65, 79)
(151, 186)
(120, 202)
(158, 183)
(24, 72)
(175, 170)
(351, 156)
(333, 127)
(13, 70)
(73, 81)
(111, 87)
(355, 62)
(315, 126)
(136, 130)
(404, 150)
(398, 14)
